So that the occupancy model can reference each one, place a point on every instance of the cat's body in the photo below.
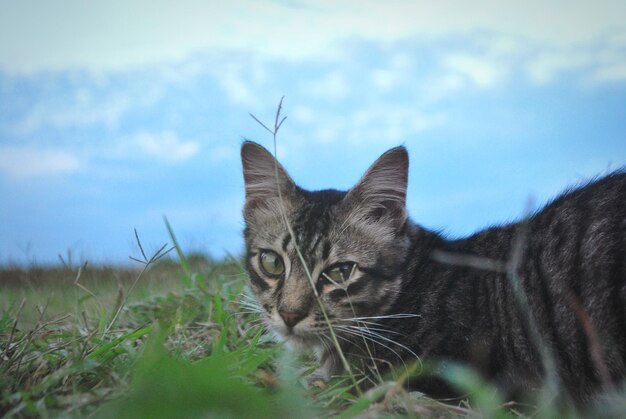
(393, 290)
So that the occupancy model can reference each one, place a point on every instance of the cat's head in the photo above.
(348, 248)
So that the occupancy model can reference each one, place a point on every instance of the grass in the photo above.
(65, 351)
(175, 338)
(183, 345)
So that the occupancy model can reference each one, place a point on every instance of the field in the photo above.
(176, 337)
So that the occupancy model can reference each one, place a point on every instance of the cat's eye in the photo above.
(341, 272)
(271, 263)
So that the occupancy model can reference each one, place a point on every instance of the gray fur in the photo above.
(410, 296)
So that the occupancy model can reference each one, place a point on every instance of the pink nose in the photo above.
(291, 318)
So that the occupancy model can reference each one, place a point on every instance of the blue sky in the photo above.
(114, 114)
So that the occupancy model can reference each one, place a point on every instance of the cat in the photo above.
(393, 290)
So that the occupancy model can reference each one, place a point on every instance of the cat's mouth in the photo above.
(296, 335)
(293, 333)
(302, 341)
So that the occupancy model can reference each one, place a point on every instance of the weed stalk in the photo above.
(278, 121)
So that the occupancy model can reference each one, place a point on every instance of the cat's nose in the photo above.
(291, 318)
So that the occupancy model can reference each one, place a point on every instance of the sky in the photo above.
(116, 114)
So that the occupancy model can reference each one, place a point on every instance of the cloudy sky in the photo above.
(114, 113)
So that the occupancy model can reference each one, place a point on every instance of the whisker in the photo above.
(327, 342)
(242, 312)
(377, 328)
(251, 307)
(385, 316)
(373, 339)
(248, 300)
(367, 331)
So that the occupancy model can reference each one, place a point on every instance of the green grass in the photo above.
(182, 346)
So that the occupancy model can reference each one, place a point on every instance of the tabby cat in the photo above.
(392, 290)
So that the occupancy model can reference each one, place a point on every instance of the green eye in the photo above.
(340, 272)
(271, 263)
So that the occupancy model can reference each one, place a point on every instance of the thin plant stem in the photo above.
(277, 124)
(147, 262)
(545, 352)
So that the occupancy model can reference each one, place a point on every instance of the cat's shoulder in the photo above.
(605, 187)
(608, 190)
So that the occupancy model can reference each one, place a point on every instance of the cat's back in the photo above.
(577, 241)
(574, 270)
(591, 211)
(583, 229)
(606, 193)
(570, 258)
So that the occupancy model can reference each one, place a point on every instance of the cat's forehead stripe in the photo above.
(326, 250)
(316, 244)
(286, 241)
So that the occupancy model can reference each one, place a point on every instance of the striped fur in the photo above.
(411, 292)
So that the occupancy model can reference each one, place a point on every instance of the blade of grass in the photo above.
(181, 256)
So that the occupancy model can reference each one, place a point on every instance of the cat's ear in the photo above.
(381, 192)
(264, 177)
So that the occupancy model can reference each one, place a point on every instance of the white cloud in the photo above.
(113, 35)
(602, 63)
(84, 108)
(29, 162)
(398, 70)
(610, 73)
(383, 79)
(303, 114)
(444, 85)
(332, 86)
(546, 66)
(390, 124)
(380, 124)
(502, 45)
(238, 90)
(475, 70)
(223, 211)
(42, 115)
(166, 146)
(223, 153)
